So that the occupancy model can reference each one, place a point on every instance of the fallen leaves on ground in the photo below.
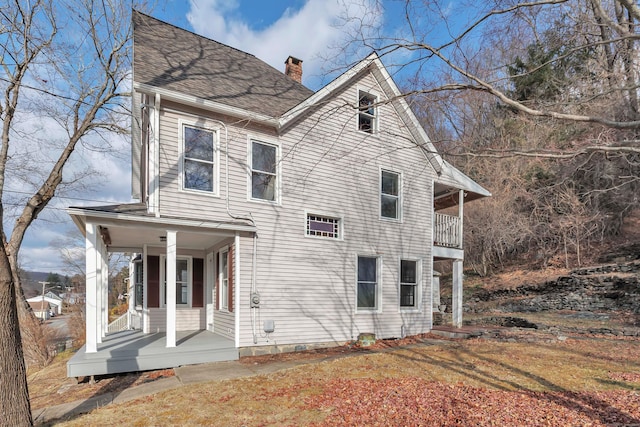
(478, 382)
(415, 402)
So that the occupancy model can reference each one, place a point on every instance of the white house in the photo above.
(55, 302)
(270, 217)
(41, 309)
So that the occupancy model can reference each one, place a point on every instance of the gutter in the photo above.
(216, 107)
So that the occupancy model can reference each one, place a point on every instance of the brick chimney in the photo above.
(293, 68)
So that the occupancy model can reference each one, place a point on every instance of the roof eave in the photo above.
(196, 102)
(80, 216)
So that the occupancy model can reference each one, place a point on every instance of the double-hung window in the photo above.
(368, 283)
(367, 118)
(198, 159)
(408, 283)
(183, 281)
(389, 194)
(264, 171)
(224, 279)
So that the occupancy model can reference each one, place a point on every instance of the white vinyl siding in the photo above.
(308, 285)
(187, 319)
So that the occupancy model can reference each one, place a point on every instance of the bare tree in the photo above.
(65, 68)
(540, 96)
(590, 45)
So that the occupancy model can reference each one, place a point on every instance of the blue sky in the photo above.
(271, 30)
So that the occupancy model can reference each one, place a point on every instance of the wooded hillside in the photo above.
(538, 102)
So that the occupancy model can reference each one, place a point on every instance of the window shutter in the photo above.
(197, 289)
(231, 264)
(153, 281)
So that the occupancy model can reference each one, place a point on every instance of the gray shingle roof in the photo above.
(171, 58)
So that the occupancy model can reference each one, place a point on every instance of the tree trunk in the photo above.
(14, 395)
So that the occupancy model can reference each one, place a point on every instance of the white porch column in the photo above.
(456, 310)
(461, 217)
(145, 274)
(236, 287)
(91, 295)
(171, 288)
(104, 276)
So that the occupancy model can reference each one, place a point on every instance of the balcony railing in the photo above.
(447, 231)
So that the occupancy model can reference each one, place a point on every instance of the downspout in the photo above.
(156, 143)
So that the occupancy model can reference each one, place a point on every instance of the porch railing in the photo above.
(447, 231)
(129, 320)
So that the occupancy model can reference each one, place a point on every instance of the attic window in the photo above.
(367, 112)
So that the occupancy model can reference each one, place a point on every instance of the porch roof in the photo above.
(449, 182)
(128, 227)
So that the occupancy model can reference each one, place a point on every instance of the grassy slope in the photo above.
(568, 376)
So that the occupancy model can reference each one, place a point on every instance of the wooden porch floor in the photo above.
(132, 351)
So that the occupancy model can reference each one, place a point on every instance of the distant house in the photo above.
(55, 302)
(41, 309)
(270, 217)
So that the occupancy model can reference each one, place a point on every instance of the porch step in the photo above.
(456, 333)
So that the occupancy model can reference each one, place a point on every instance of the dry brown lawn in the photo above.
(578, 381)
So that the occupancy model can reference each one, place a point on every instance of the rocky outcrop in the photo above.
(614, 287)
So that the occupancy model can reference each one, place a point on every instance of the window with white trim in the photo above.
(408, 283)
(323, 226)
(389, 194)
(368, 283)
(198, 159)
(264, 171)
(367, 117)
(183, 280)
(138, 283)
(224, 279)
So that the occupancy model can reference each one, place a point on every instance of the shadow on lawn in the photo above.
(103, 396)
(583, 402)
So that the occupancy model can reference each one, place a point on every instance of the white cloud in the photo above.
(311, 33)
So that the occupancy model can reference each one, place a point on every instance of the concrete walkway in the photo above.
(194, 374)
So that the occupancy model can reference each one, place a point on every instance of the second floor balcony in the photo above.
(447, 231)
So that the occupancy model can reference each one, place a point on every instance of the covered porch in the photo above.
(452, 190)
(171, 290)
(132, 351)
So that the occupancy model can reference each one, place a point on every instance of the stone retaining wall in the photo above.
(613, 287)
